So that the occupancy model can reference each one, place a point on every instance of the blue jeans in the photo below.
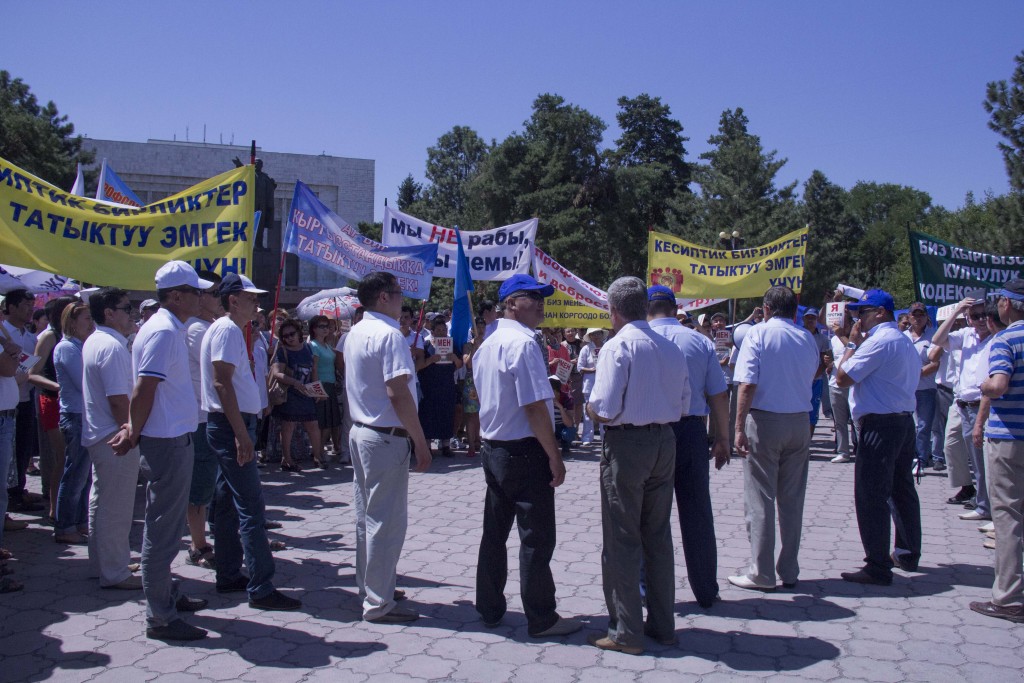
(816, 388)
(924, 415)
(968, 415)
(7, 420)
(240, 512)
(73, 494)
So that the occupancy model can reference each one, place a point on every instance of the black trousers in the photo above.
(693, 501)
(518, 489)
(884, 488)
(26, 447)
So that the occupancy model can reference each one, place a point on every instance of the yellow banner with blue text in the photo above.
(691, 270)
(209, 225)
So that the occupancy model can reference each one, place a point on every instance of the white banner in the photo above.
(495, 254)
(696, 304)
(548, 271)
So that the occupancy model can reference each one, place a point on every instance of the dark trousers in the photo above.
(26, 447)
(518, 488)
(884, 488)
(693, 501)
(240, 512)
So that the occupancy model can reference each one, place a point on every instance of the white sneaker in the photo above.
(744, 581)
(987, 526)
(454, 444)
(842, 458)
(973, 516)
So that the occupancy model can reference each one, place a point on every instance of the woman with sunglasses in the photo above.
(328, 412)
(295, 366)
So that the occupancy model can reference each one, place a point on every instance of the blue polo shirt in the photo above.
(886, 370)
(705, 372)
(1006, 357)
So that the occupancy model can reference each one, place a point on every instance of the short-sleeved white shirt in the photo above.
(261, 365)
(161, 351)
(587, 359)
(781, 358)
(107, 371)
(510, 371)
(923, 344)
(375, 353)
(973, 363)
(885, 369)
(224, 341)
(838, 349)
(642, 378)
(27, 341)
(195, 330)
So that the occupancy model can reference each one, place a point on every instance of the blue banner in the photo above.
(316, 234)
(112, 189)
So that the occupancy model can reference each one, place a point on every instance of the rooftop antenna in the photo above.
(204, 133)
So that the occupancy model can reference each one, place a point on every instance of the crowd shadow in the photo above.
(800, 608)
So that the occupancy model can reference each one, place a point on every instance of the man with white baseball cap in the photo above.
(163, 414)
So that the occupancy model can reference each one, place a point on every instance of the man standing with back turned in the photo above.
(521, 460)
(640, 391)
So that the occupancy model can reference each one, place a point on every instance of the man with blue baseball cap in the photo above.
(883, 368)
(521, 460)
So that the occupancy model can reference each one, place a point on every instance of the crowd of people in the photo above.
(210, 388)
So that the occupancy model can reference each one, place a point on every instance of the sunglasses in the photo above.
(536, 296)
(127, 308)
(979, 316)
(289, 335)
(919, 314)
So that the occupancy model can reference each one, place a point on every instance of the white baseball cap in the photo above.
(179, 274)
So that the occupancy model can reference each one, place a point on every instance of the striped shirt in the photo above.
(1006, 357)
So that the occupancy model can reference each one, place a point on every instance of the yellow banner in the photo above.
(691, 270)
(563, 310)
(42, 227)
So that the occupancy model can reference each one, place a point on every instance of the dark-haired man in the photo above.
(18, 305)
(386, 431)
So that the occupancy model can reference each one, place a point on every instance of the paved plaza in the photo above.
(63, 627)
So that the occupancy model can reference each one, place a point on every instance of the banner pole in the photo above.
(419, 325)
(252, 153)
(277, 293)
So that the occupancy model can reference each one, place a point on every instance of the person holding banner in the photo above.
(436, 372)
(883, 367)
(775, 369)
(521, 461)
(380, 382)
(163, 415)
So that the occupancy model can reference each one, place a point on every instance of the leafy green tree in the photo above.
(451, 164)
(1005, 104)
(36, 137)
(409, 192)
(832, 240)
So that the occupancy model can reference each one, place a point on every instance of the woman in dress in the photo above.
(437, 382)
(470, 398)
(328, 412)
(295, 366)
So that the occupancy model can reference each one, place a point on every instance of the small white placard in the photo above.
(443, 348)
(26, 362)
(835, 313)
(316, 390)
(563, 370)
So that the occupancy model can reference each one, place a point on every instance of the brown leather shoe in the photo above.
(14, 524)
(1014, 613)
(606, 643)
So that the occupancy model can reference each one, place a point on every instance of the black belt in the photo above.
(8, 413)
(390, 431)
(887, 415)
(629, 427)
(968, 404)
(496, 443)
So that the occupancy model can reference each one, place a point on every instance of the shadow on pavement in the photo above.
(800, 608)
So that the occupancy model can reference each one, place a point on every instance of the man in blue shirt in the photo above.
(1004, 451)
(708, 393)
(884, 369)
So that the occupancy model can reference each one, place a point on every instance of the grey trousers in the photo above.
(775, 474)
(955, 450)
(380, 464)
(111, 504)
(1006, 494)
(167, 466)
(844, 422)
(968, 415)
(637, 478)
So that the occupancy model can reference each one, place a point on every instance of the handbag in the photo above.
(277, 393)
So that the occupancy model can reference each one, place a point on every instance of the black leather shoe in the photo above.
(861, 576)
(235, 585)
(187, 604)
(276, 602)
(176, 630)
(903, 562)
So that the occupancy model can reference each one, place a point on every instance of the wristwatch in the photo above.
(850, 345)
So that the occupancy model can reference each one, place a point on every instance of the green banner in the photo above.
(945, 273)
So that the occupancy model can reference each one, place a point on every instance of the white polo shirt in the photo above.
(885, 370)
(195, 330)
(973, 364)
(161, 350)
(642, 378)
(780, 357)
(510, 371)
(588, 360)
(107, 371)
(225, 341)
(27, 341)
(376, 352)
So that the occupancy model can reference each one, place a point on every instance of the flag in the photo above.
(79, 187)
(111, 188)
(462, 313)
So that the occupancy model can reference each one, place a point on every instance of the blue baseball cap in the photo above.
(660, 293)
(1013, 289)
(878, 298)
(811, 311)
(523, 283)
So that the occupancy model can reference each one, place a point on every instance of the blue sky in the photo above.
(878, 91)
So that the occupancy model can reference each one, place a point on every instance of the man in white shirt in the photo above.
(840, 396)
(204, 466)
(106, 386)
(10, 351)
(163, 414)
(232, 403)
(521, 461)
(883, 368)
(641, 389)
(775, 370)
(379, 381)
(18, 305)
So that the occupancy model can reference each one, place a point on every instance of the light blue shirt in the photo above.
(67, 361)
(510, 371)
(781, 358)
(1006, 357)
(376, 354)
(705, 372)
(642, 378)
(885, 370)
